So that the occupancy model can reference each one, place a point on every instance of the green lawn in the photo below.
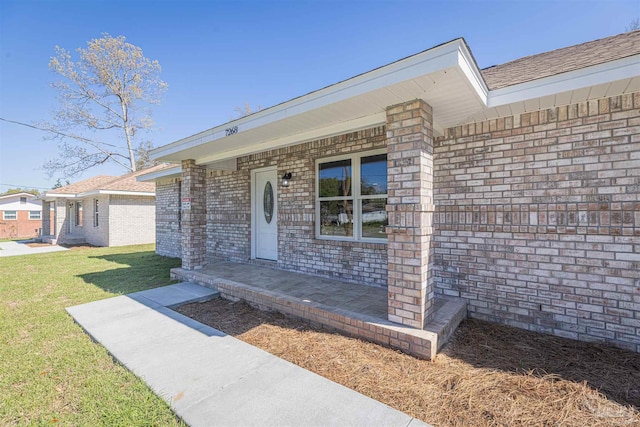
(51, 372)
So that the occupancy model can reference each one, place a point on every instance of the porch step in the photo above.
(72, 240)
(422, 343)
(49, 239)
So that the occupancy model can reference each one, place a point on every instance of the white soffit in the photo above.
(58, 196)
(621, 69)
(118, 193)
(445, 76)
(599, 81)
(163, 173)
(50, 197)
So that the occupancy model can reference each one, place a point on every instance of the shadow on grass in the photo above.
(135, 272)
(614, 372)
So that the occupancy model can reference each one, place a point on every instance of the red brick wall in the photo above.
(23, 227)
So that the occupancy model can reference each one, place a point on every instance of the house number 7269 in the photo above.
(231, 131)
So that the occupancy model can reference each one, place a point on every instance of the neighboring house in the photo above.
(20, 216)
(515, 188)
(102, 211)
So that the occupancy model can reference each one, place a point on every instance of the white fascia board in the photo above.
(164, 173)
(472, 73)
(299, 138)
(620, 69)
(432, 60)
(118, 193)
(60, 196)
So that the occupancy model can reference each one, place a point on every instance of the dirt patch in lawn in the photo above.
(488, 375)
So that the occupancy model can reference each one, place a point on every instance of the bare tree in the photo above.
(633, 25)
(245, 110)
(105, 105)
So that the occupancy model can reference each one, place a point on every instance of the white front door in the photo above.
(265, 213)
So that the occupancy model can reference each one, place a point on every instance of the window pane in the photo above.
(34, 214)
(79, 214)
(373, 173)
(336, 218)
(10, 215)
(374, 218)
(335, 179)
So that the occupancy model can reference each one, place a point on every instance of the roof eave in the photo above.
(452, 54)
(120, 193)
(49, 197)
(162, 174)
(17, 195)
(590, 76)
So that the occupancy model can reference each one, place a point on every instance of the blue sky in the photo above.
(217, 55)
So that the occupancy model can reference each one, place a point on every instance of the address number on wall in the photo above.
(231, 131)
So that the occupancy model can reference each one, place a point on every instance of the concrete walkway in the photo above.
(19, 247)
(210, 378)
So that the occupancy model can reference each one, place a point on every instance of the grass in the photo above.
(488, 375)
(51, 372)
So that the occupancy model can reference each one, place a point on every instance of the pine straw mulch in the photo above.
(488, 375)
(79, 246)
(37, 244)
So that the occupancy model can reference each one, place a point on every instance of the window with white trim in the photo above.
(33, 215)
(96, 221)
(9, 215)
(351, 197)
(23, 200)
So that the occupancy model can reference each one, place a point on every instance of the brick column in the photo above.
(46, 219)
(194, 215)
(410, 210)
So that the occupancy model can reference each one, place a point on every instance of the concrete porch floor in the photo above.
(357, 310)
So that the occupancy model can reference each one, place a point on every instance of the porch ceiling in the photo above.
(451, 102)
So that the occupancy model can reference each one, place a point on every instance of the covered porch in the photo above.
(62, 220)
(355, 202)
(353, 309)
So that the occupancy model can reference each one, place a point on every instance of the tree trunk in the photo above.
(127, 132)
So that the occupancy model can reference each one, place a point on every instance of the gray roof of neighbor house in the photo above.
(105, 183)
(562, 60)
(23, 193)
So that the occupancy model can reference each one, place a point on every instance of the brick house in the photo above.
(20, 216)
(515, 189)
(102, 211)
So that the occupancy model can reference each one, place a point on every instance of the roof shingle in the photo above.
(112, 183)
(562, 60)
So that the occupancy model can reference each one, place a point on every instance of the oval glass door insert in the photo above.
(267, 202)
